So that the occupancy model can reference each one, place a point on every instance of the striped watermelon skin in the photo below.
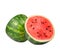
(15, 28)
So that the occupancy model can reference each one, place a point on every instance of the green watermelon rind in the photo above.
(17, 32)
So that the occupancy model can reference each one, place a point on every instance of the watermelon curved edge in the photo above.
(34, 41)
(15, 33)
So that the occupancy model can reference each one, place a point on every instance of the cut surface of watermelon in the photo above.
(39, 29)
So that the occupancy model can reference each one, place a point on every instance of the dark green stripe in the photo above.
(15, 30)
(14, 35)
(22, 16)
(15, 24)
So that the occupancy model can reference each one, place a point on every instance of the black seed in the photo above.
(31, 25)
(33, 28)
(49, 30)
(37, 32)
(32, 22)
(42, 22)
(44, 33)
(45, 22)
(35, 19)
(46, 28)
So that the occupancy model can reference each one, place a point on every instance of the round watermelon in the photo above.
(15, 28)
(39, 30)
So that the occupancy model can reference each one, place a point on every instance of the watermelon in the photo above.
(39, 29)
(15, 28)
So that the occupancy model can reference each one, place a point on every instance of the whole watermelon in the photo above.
(15, 28)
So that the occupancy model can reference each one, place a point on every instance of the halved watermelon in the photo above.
(15, 28)
(39, 29)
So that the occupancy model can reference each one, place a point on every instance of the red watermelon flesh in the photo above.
(40, 28)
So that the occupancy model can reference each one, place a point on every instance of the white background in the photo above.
(47, 8)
